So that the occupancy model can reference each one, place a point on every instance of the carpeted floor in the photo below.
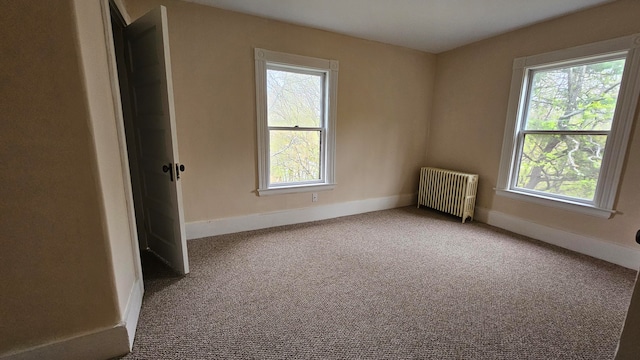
(398, 284)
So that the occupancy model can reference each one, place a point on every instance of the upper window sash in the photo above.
(300, 69)
(627, 47)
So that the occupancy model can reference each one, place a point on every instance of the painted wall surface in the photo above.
(470, 104)
(384, 103)
(55, 265)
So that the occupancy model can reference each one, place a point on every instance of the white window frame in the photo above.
(615, 150)
(266, 59)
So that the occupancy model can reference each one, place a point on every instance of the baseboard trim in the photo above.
(99, 345)
(200, 229)
(132, 312)
(597, 248)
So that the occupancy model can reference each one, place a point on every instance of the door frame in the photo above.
(120, 128)
(113, 17)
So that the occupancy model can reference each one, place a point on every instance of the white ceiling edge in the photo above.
(432, 26)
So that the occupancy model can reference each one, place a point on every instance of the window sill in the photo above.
(577, 207)
(295, 189)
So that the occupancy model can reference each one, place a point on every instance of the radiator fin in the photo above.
(448, 191)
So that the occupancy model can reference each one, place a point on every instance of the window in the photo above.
(569, 117)
(296, 110)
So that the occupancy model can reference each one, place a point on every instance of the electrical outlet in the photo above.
(314, 197)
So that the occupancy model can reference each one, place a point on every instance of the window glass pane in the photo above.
(294, 99)
(581, 97)
(294, 156)
(566, 165)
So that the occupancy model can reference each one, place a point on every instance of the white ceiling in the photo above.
(429, 25)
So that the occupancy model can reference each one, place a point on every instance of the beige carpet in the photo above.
(395, 284)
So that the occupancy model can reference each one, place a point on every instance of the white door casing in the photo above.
(156, 146)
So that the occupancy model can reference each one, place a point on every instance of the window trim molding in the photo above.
(617, 143)
(330, 68)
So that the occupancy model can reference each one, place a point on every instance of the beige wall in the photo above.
(56, 270)
(470, 102)
(384, 104)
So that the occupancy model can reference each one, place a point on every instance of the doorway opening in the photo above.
(141, 55)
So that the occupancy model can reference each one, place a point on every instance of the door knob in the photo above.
(179, 169)
(168, 168)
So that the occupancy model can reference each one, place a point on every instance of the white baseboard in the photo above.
(132, 312)
(597, 248)
(99, 345)
(200, 229)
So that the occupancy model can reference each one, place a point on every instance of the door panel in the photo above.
(149, 73)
